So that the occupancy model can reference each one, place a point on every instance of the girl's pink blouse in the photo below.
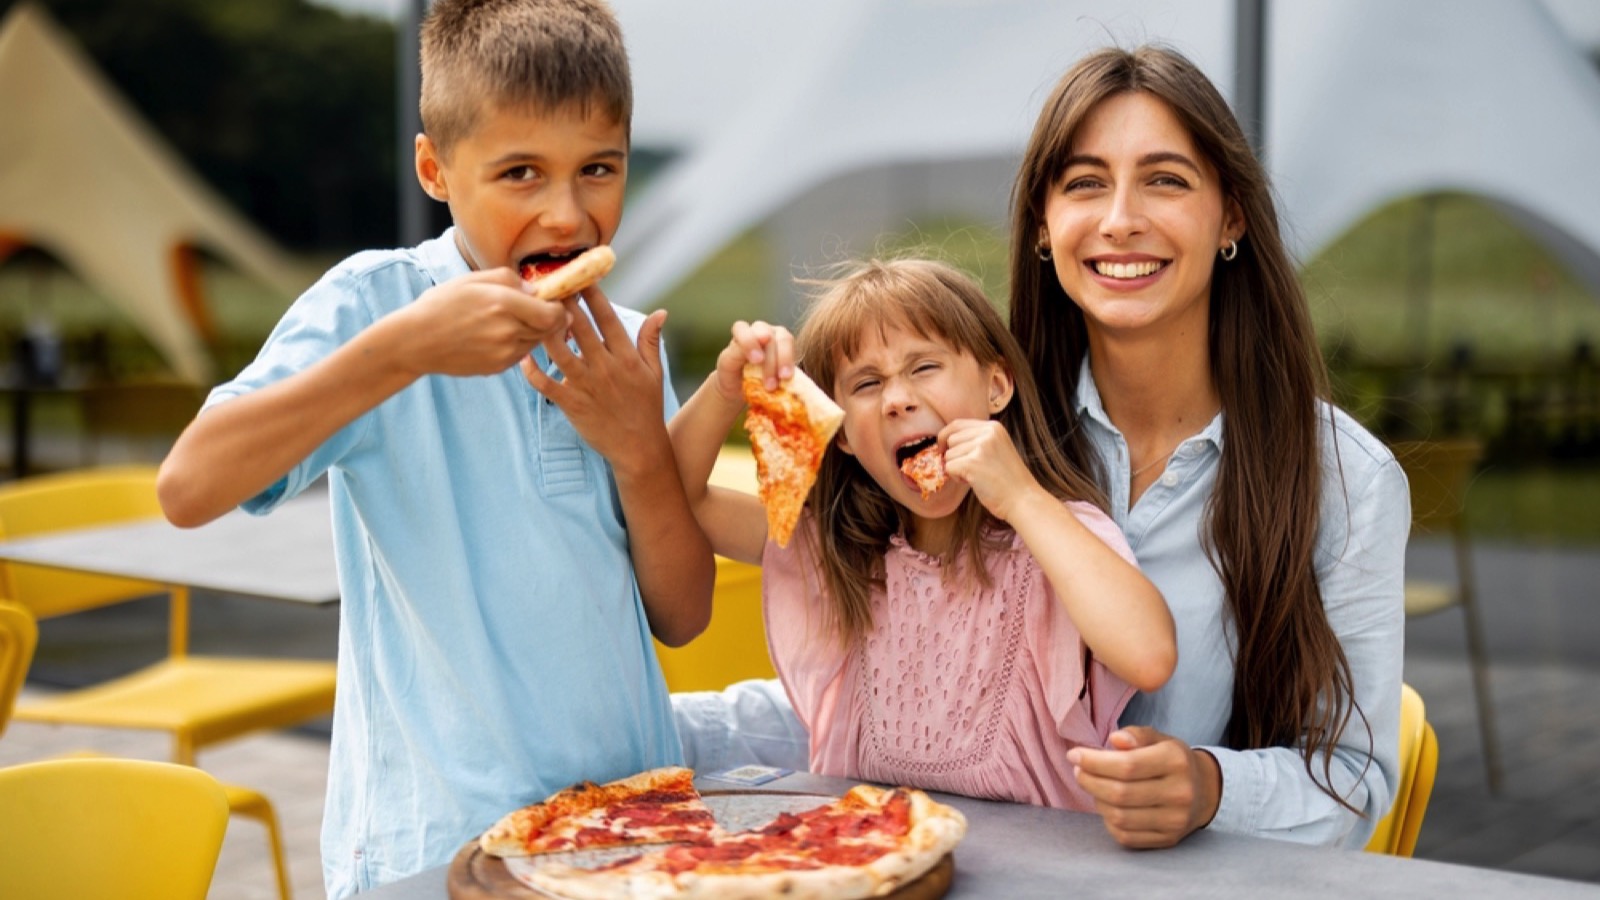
(954, 688)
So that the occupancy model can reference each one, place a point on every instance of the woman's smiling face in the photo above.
(1137, 217)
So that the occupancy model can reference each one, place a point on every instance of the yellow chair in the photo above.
(1396, 833)
(199, 700)
(19, 634)
(1440, 472)
(109, 829)
(734, 646)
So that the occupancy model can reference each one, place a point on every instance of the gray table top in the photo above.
(287, 555)
(1018, 851)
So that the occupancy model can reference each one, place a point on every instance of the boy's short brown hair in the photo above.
(541, 55)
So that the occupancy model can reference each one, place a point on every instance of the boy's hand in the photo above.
(611, 388)
(478, 324)
(754, 343)
(980, 452)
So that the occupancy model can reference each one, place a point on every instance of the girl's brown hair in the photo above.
(856, 517)
(1292, 682)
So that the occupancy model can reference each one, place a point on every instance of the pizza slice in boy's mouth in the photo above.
(554, 276)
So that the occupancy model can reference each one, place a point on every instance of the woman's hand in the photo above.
(754, 343)
(1151, 789)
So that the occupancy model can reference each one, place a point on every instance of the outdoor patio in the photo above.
(1545, 677)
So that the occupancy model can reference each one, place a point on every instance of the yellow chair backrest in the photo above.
(101, 828)
(734, 646)
(1439, 473)
(1396, 833)
(19, 635)
(73, 500)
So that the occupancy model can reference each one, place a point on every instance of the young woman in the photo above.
(1171, 340)
(965, 639)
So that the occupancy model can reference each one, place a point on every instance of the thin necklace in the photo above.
(1158, 460)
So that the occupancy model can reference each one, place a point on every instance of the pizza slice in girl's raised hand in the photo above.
(551, 278)
(789, 431)
(653, 807)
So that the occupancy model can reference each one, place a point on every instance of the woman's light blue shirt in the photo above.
(493, 646)
(1360, 566)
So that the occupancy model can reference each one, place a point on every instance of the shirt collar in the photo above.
(441, 258)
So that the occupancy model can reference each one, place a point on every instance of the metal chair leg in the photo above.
(1478, 656)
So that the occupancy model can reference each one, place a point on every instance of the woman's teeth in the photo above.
(1127, 270)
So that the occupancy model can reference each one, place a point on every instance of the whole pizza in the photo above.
(866, 843)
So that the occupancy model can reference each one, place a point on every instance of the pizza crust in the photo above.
(583, 271)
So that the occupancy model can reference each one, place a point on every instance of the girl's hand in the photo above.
(770, 346)
(1151, 789)
(979, 452)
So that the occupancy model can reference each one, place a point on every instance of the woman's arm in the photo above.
(1120, 614)
(1361, 574)
(1153, 789)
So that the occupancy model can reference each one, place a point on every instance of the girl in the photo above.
(1175, 357)
(965, 641)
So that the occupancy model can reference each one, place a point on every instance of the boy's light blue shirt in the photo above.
(493, 646)
(1360, 566)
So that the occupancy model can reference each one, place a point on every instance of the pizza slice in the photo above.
(926, 468)
(553, 278)
(789, 432)
(653, 807)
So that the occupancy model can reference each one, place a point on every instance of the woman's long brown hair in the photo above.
(1292, 683)
(855, 517)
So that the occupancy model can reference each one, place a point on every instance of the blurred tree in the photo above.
(285, 108)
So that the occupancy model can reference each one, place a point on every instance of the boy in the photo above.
(505, 552)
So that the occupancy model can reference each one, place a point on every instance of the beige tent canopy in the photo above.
(83, 178)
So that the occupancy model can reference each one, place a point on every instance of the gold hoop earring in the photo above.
(1230, 251)
(1044, 252)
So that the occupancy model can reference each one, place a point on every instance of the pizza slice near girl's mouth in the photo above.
(923, 462)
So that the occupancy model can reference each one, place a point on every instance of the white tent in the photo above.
(775, 104)
(85, 179)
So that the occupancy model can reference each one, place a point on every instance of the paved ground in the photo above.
(1539, 606)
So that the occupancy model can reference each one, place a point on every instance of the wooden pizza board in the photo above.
(475, 875)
